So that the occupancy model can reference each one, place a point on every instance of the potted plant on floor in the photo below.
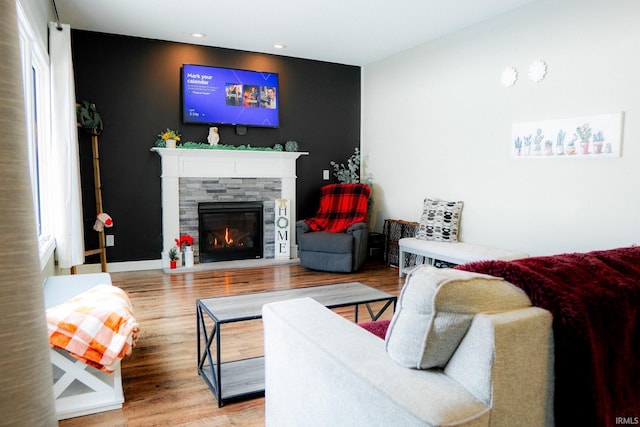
(173, 257)
(185, 242)
(350, 174)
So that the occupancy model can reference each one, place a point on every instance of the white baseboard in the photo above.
(116, 267)
(227, 265)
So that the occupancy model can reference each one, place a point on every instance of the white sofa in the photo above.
(322, 370)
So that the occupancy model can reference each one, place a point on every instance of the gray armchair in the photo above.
(336, 238)
(327, 251)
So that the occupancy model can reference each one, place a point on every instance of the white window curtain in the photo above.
(67, 200)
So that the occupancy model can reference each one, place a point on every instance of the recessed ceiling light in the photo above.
(197, 35)
(279, 46)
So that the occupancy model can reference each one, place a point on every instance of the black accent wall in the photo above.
(135, 84)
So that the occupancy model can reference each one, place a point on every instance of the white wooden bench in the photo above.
(455, 253)
(80, 389)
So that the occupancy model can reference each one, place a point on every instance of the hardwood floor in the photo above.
(160, 379)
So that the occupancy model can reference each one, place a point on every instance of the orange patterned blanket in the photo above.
(97, 326)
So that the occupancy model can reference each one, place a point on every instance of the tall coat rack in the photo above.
(89, 119)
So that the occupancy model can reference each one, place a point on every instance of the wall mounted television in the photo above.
(227, 96)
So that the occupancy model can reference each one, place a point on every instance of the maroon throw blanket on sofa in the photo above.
(595, 301)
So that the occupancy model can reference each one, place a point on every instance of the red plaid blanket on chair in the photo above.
(341, 206)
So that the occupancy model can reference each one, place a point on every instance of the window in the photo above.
(35, 78)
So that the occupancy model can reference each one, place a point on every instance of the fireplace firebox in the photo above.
(230, 231)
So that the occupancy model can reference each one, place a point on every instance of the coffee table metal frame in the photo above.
(244, 378)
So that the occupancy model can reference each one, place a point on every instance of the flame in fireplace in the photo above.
(229, 238)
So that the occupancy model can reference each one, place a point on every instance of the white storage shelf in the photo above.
(78, 388)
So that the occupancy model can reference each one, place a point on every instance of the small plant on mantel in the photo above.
(166, 135)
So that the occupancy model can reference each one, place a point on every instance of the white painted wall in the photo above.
(437, 123)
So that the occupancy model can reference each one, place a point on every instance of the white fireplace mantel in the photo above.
(211, 163)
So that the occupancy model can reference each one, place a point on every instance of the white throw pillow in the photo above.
(435, 309)
(439, 221)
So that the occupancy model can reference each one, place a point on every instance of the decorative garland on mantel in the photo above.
(205, 146)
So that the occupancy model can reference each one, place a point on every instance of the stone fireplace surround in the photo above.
(197, 190)
(191, 175)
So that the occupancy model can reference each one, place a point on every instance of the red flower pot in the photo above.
(173, 263)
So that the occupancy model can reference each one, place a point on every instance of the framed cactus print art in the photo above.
(597, 136)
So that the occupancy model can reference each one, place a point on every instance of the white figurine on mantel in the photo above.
(214, 136)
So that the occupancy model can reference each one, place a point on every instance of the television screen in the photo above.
(213, 95)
